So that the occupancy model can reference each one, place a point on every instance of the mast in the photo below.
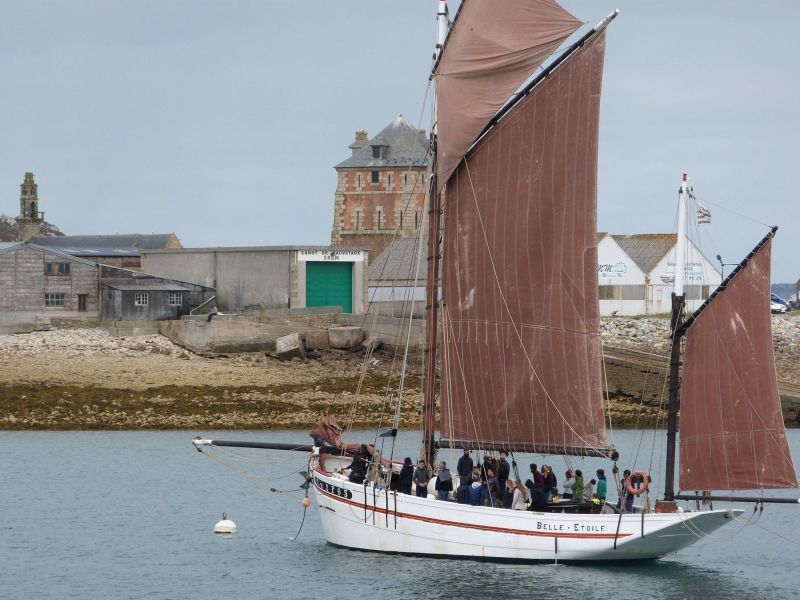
(678, 302)
(431, 286)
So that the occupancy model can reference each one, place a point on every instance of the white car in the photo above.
(777, 305)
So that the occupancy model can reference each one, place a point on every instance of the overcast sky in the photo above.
(222, 120)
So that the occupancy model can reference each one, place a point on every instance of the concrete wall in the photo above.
(248, 278)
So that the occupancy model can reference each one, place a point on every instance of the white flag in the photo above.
(703, 214)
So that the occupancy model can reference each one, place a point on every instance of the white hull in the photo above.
(399, 523)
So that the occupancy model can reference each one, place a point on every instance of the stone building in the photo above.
(380, 189)
(36, 281)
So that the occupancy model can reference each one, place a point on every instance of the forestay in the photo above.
(732, 435)
(521, 364)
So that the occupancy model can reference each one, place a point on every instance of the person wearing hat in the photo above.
(406, 476)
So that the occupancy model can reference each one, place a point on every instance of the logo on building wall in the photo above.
(618, 270)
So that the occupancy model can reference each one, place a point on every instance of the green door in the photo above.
(330, 284)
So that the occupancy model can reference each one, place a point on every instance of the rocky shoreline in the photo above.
(85, 378)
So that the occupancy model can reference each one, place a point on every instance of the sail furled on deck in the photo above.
(492, 49)
(521, 359)
(732, 435)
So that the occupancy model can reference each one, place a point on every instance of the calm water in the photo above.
(130, 515)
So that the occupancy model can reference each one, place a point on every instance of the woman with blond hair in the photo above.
(520, 496)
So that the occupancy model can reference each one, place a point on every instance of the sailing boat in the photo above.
(512, 237)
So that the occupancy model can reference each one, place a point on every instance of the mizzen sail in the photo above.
(521, 353)
(732, 435)
(492, 49)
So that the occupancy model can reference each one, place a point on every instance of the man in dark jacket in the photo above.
(406, 476)
(421, 478)
(444, 482)
(494, 489)
(476, 495)
(503, 470)
(464, 468)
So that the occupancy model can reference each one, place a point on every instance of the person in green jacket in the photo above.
(602, 485)
(577, 487)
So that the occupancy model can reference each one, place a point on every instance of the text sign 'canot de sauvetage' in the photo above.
(331, 255)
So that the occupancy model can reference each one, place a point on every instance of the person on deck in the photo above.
(494, 489)
(550, 482)
(464, 468)
(406, 476)
(503, 470)
(623, 492)
(508, 494)
(588, 490)
(520, 496)
(602, 485)
(444, 482)
(476, 495)
(577, 487)
(421, 478)
(569, 481)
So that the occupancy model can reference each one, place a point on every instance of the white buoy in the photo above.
(225, 526)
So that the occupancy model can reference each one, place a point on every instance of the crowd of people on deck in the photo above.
(490, 484)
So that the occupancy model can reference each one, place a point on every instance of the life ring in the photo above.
(640, 477)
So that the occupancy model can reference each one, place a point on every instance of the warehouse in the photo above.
(270, 277)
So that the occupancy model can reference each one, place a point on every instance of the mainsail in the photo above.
(521, 358)
(492, 49)
(732, 435)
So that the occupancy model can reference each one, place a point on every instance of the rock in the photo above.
(318, 339)
(345, 337)
(289, 347)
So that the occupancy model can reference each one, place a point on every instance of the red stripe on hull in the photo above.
(560, 534)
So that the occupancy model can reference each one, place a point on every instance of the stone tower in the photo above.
(380, 189)
(29, 219)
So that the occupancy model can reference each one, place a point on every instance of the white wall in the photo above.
(698, 271)
(617, 268)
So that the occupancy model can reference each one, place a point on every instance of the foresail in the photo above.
(493, 48)
(732, 435)
(521, 360)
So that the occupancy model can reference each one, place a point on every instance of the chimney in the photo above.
(361, 137)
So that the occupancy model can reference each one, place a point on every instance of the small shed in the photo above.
(150, 299)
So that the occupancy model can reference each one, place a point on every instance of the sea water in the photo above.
(131, 515)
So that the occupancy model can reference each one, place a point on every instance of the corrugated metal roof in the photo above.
(93, 251)
(398, 262)
(146, 286)
(403, 145)
(14, 246)
(646, 249)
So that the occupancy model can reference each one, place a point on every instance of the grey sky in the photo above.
(222, 120)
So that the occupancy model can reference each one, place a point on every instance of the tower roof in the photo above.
(401, 144)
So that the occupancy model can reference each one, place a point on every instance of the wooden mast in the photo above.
(431, 315)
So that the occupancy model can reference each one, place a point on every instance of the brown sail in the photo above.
(520, 316)
(492, 49)
(732, 435)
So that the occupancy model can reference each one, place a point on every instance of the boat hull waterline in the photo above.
(375, 519)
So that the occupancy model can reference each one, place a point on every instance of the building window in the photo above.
(405, 178)
(375, 177)
(175, 298)
(610, 292)
(56, 268)
(401, 219)
(141, 299)
(54, 299)
(632, 292)
(358, 219)
(358, 178)
(697, 292)
(389, 180)
(376, 152)
(416, 219)
(379, 219)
